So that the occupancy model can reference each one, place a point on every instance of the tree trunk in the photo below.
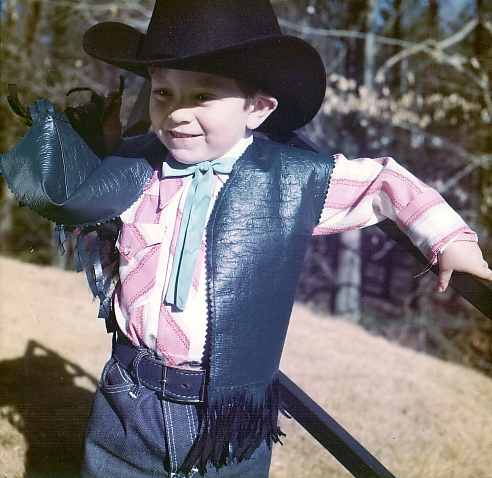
(370, 47)
(349, 276)
(6, 218)
(348, 299)
(481, 44)
(397, 76)
(433, 30)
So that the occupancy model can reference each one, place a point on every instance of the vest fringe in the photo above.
(233, 427)
(94, 254)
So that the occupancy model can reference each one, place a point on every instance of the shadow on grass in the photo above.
(41, 396)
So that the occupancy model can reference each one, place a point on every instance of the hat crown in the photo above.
(182, 28)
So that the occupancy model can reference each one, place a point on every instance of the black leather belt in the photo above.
(174, 384)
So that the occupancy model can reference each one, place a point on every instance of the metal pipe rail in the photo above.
(345, 448)
(471, 288)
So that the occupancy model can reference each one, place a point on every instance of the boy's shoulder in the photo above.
(149, 146)
(143, 146)
(290, 153)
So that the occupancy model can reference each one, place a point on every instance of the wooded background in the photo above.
(408, 79)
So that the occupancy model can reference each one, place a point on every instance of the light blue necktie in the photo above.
(192, 223)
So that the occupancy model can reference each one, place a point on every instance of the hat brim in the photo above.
(284, 66)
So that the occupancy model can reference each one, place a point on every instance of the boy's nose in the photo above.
(180, 113)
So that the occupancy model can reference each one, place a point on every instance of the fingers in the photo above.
(111, 95)
(444, 278)
(482, 272)
(112, 127)
(113, 101)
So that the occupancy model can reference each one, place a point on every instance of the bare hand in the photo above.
(112, 127)
(461, 256)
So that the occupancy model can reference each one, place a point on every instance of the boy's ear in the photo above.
(260, 108)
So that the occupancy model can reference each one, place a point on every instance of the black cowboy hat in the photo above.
(238, 39)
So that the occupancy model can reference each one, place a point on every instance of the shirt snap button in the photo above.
(126, 250)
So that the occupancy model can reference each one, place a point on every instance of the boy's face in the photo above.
(200, 116)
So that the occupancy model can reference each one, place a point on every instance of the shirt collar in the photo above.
(238, 149)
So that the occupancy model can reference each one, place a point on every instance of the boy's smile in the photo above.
(201, 116)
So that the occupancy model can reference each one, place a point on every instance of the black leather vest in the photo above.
(257, 237)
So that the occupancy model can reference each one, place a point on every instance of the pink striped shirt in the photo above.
(362, 192)
(365, 191)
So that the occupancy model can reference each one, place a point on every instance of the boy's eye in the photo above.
(203, 97)
(163, 94)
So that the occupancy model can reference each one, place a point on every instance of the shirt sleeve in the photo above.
(366, 191)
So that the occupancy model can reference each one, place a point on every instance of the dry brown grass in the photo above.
(423, 418)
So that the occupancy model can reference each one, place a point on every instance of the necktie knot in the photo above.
(205, 166)
(173, 168)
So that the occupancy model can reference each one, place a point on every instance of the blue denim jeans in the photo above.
(146, 436)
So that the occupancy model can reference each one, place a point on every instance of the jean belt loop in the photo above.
(135, 391)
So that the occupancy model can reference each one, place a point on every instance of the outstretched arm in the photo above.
(461, 256)
(365, 191)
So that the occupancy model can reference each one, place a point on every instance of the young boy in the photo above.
(211, 250)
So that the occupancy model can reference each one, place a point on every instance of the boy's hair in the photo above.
(249, 92)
